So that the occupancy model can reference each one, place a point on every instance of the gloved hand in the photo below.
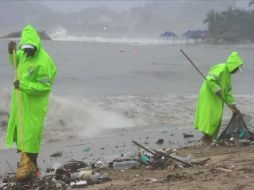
(16, 84)
(11, 46)
(234, 109)
(218, 93)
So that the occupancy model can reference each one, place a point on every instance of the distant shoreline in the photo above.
(43, 35)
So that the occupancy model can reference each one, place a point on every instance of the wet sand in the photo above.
(108, 145)
(223, 167)
(111, 143)
(227, 168)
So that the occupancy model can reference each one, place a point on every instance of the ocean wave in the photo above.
(61, 34)
(70, 117)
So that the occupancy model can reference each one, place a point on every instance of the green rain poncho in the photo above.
(210, 107)
(36, 75)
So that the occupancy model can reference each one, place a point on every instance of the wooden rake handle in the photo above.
(18, 100)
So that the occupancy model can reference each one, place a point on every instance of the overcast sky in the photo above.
(151, 18)
(77, 5)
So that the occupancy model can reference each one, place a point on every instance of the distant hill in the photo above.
(144, 21)
(43, 35)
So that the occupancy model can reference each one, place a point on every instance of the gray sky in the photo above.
(77, 5)
(149, 18)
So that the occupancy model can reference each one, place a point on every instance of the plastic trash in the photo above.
(2, 184)
(85, 175)
(124, 165)
(74, 165)
(101, 165)
(236, 128)
(242, 134)
(78, 184)
(86, 149)
(88, 176)
(53, 168)
(96, 177)
(98, 163)
(144, 159)
(128, 155)
(57, 165)
(187, 158)
(244, 142)
(75, 176)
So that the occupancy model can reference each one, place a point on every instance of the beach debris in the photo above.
(56, 165)
(168, 150)
(85, 175)
(234, 142)
(160, 141)
(74, 165)
(100, 165)
(185, 135)
(81, 183)
(124, 165)
(144, 159)
(74, 174)
(86, 149)
(183, 160)
(236, 129)
(57, 154)
(152, 180)
(46, 182)
(242, 134)
(2, 183)
(92, 177)
(160, 159)
(78, 174)
(243, 142)
(63, 175)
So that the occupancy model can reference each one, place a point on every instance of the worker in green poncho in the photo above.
(35, 73)
(210, 105)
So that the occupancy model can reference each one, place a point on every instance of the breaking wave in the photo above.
(61, 34)
(70, 117)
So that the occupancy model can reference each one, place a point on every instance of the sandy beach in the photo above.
(104, 143)
(224, 167)
(227, 167)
